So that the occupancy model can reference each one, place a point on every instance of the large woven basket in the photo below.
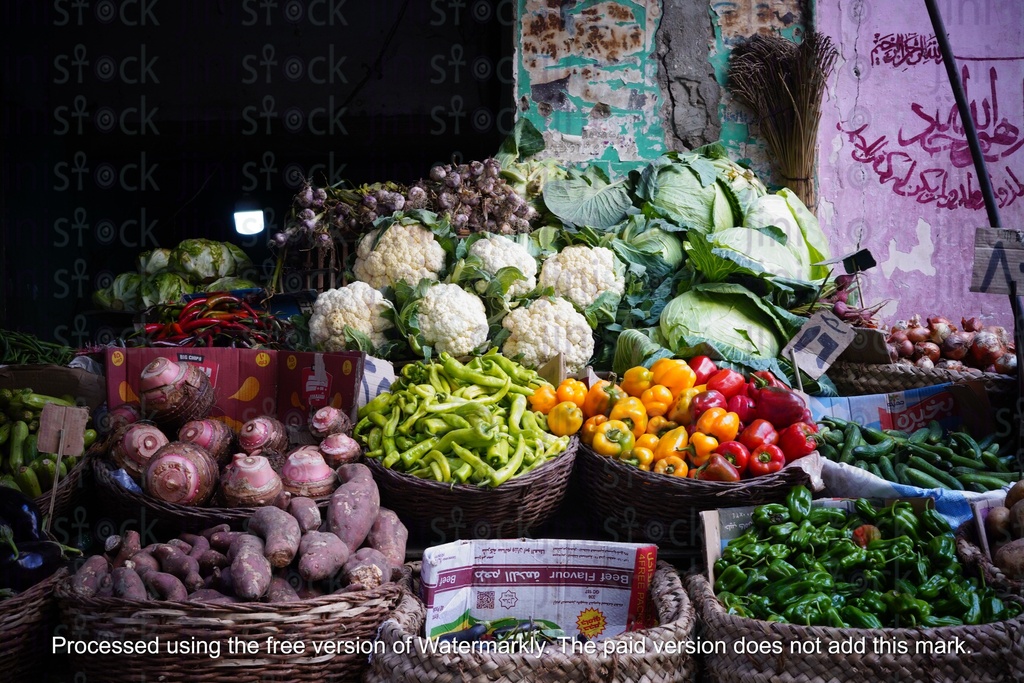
(969, 548)
(634, 505)
(857, 379)
(435, 512)
(26, 625)
(393, 663)
(348, 620)
(69, 490)
(994, 652)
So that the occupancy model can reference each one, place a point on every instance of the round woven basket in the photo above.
(969, 549)
(415, 664)
(68, 490)
(348, 621)
(26, 625)
(168, 518)
(435, 512)
(994, 652)
(856, 379)
(634, 505)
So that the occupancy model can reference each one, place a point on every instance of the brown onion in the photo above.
(956, 345)
(213, 435)
(1004, 337)
(954, 365)
(305, 473)
(986, 349)
(339, 449)
(263, 432)
(893, 355)
(899, 326)
(174, 393)
(134, 446)
(249, 481)
(918, 334)
(898, 337)
(1007, 364)
(971, 324)
(940, 331)
(927, 350)
(181, 473)
(924, 362)
(905, 349)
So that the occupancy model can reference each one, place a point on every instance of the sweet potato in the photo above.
(321, 555)
(181, 545)
(250, 569)
(281, 591)
(123, 547)
(353, 471)
(174, 561)
(389, 536)
(368, 567)
(220, 580)
(211, 560)
(306, 513)
(143, 562)
(127, 584)
(353, 506)
(222, 540)
(209, 595)
(200, 544)
(220, 528)
(106, 587)
(86, 581)
(280, 533)
(164, 586)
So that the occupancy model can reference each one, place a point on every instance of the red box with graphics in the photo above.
(249, 382)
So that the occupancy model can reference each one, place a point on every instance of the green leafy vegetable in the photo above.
(805, 239)
(588, 198)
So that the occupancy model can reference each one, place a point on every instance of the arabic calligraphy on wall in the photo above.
(910, 49)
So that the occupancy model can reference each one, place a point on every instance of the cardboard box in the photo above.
(595, 588)
(55, 380)
(250, 382)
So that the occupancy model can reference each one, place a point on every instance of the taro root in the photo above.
(249, 481)
(121, 416)
(329, 420)
(134, 446)
(174, 393)
(263, 432)
(213, 435)
(305, 473)
(339, 449)
(181, 473)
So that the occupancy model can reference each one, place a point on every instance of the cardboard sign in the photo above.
(998, 260)
(819, 343)
(55, 419)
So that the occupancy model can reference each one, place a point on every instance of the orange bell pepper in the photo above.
(571, 390)
(589, 428)
(601, 397)
(644, 457)
(543, 399)
(659, 425)
(647, 440)
(673, 443)
(701, 448)
(657, 400)
(631, 411)
(673, 373)
(719, 423)
(681, 412)
(613, 438)
(637, 380)
(565, 419)
(673, 465)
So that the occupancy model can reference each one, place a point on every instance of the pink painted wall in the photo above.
(895, 171)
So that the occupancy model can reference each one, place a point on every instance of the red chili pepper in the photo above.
(736, 453)
(220, 300)
(727, 382)
(797, 440)
(718, 468)
(757, 433)
(152, 328)
(192, 308)
(766, 460)
(703, 367)
(200, 322)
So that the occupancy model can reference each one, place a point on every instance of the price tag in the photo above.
(857, 262)
(819, 343)
(998, 260)
(72, 421)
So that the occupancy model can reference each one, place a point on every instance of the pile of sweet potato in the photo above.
(285, 554)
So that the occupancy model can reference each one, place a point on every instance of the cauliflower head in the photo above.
(581, 274)
(549, 326)
(358, 305)
(452, 320)
(497, 252)
(407, 251)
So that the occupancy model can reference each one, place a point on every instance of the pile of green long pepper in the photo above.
(929, 458)
(460, 423)
(866, 568)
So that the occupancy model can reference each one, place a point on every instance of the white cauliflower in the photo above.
(406, 252)
(545, 329)
(497, 252)
(358, 305)
(581, 274)
(452, 320)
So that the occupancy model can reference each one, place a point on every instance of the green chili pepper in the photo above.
(798, 501)
(931, 588)
(780, 569)
(858, 618)
(729, 580)
(827, 516)
(502, 475)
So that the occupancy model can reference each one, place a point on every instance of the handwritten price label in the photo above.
(819, 343)
(998, 260)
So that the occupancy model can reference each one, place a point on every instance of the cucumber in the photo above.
(969, 463)
(948, 480)
(45, 470)
(922, 480)
(886, 469)
(8, 481)
(28, 482)
(851, 439)
(5, 433)
(31, 448)
(872, 452)
(19, 432)
(988, 481)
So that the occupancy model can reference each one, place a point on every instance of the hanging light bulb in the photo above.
(248, 216)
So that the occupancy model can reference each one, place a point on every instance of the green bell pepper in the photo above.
(931, 588)
(780, 569)
(798, 502)
(942, 550)
(906, 609)
(826, 516)
(769, 515)
(858, 618)
(729, 580)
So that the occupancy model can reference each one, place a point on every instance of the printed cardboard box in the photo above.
(592, 588)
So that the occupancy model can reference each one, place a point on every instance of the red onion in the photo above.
(174, 393)
(940, 331)
(329, 420)
(893, 354)
(955, 346)
(339, 449)
(986, 348)
(905, 349)
(898, 337)
(263, 432)
(1004, 337)
(249, 481)
(305, 473)
(925, 363)
(971, 324)
(899, 326)
(181, 473)
(938, 319)
(134, 446)
(918, 334)
(122, 416)
(927, 350)
(1007, 364)
(213, 435)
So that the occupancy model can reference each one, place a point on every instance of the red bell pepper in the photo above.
(744, 406)
(765, 460)
(781, 407)
(705, 401)
(727, 382)
(757, 433)
(703, 367)
(761, 379)
(736, 453)
(718, 468)
(797, 440)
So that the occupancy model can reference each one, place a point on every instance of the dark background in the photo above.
(132, 125)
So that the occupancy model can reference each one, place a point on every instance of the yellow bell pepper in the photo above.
(637, 380)
(590, 428)
(565, 419)
(719, 423)
(680, 411)
(631, 411)
(673, 466)
(571, 390)
(657, 400)
(673, 373)
(601, 397)
(543, 399)
(644, 457)
(647, 440)
(673, 443)
(659, 425)
(701, 448)
(613, 438)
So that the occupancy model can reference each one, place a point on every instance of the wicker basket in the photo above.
(857, 379)
(435, 512)
(995, 652)
(351, 618)
(391, 664)
(68, 490)
(968, 547)
(643, 506)
(26, 624)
